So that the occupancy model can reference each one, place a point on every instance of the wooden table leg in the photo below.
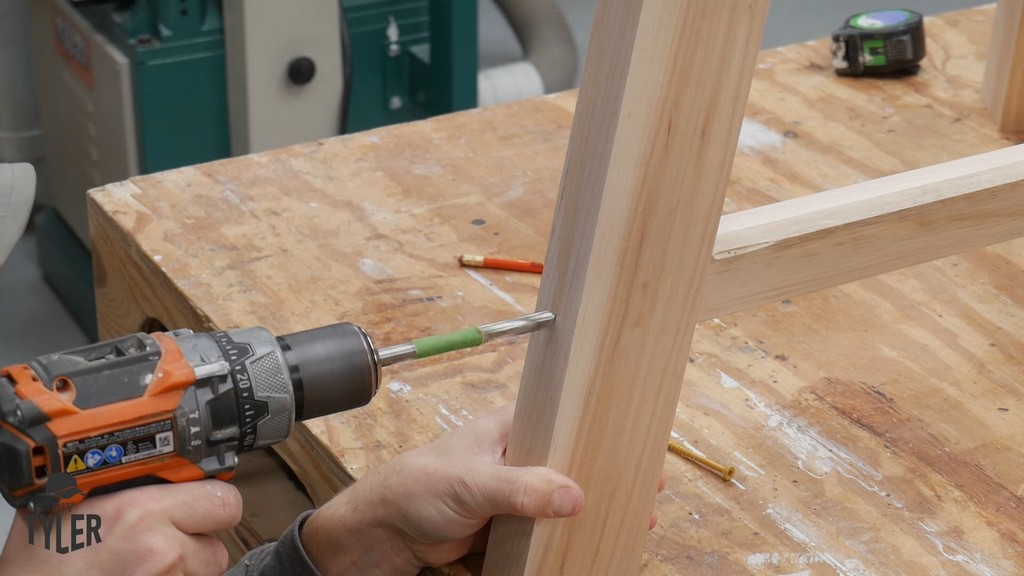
(649, 158)
(1003, 87)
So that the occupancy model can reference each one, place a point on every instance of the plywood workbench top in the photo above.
(876, 427)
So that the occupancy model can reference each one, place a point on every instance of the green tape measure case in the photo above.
(879, 42)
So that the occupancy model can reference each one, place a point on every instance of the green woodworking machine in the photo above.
(129, 87)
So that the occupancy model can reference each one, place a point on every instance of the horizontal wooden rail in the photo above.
(822, 240)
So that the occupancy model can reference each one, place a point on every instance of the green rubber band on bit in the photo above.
(434, 345)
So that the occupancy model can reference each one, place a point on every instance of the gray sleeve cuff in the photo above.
(286, 556)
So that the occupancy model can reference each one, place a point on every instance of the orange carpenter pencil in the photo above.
(501, 264)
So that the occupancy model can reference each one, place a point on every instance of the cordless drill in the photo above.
(179, 406)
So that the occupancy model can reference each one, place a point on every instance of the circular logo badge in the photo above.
(93, 458)
(113, 453)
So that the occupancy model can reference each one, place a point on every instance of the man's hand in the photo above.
(148, 531)
(431, 505)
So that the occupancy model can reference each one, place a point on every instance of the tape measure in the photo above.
(879, 42)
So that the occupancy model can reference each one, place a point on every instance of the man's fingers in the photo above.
(205, 556)
(213, 505)
(531, 491)
(194, 507)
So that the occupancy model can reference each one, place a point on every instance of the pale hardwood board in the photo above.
(1003, 88)
(648, 161)
(781, 250)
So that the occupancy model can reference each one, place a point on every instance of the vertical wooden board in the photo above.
(1003, 87)
(649, 157)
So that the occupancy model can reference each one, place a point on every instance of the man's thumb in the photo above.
(533, 491)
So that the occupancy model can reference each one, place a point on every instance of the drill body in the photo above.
(170, 406)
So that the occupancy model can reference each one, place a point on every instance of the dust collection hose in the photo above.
(547, 42)
(546, 38)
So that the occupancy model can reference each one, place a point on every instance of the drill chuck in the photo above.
(332, 369)
(272, 382)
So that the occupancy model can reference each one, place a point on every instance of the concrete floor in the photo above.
(34, 322)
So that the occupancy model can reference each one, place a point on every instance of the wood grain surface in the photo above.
(648, 161)
(875, 427)
(1003, 86)
(821, 240)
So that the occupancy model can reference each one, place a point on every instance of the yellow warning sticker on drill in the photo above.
(119, 447)
(75, 464)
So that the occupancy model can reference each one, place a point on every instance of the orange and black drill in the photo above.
(179, 406)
